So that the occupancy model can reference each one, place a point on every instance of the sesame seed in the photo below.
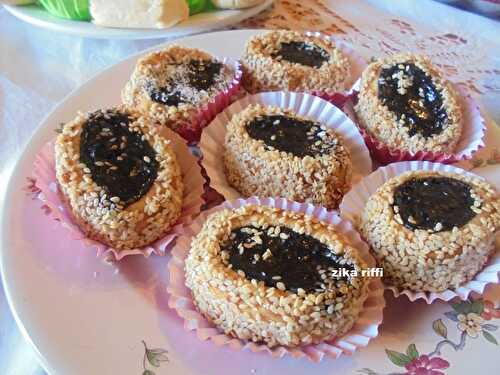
(267, 254)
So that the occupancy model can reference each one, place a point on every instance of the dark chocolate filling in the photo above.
(120, 161)
(419, 106)
(296, 260)
(302, 53)
(425, 202)
(201, 75)
(299, 137)
(163, 95)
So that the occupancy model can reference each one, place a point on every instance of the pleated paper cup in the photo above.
(55, 207)
(363, 331)
(192, 128)
(354, 202)
(471, 140)
(306, 105)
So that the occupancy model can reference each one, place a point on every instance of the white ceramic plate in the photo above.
(198, 23)
(84, 317)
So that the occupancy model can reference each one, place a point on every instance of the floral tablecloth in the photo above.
(38, 68)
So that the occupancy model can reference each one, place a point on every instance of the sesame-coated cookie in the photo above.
(120, 178)
(171, 85)
(406, 103)
(283, 60)
(267, 275)
(431, 231)
(270, 151)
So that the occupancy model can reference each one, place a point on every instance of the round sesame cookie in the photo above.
(119, 177)
(268, 275)
(171, 85)
(406, 103)
(431, 231)
(283, 60)
(271, 151)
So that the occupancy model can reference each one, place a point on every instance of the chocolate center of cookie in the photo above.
(163, 95)
(196, 74)
(119, 160)
(281, 255)
(202, 74)
(298, 137)
(410, 93)
(302, 53)
(436, 203)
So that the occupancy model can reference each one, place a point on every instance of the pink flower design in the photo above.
(490, 312)
(424, 365)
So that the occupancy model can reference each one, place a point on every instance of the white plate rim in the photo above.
(206, 22)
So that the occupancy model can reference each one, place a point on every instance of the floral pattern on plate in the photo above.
(470, 320)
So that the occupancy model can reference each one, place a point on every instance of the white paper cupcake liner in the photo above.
(354, 203)
(365, 328)
(45, 180)
(310, 106)
(471, 140)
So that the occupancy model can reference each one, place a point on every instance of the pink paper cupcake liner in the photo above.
(54, 206)
(307, 105)
(192, 131)
(471, 140)
(364, 329)
(354, 203)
